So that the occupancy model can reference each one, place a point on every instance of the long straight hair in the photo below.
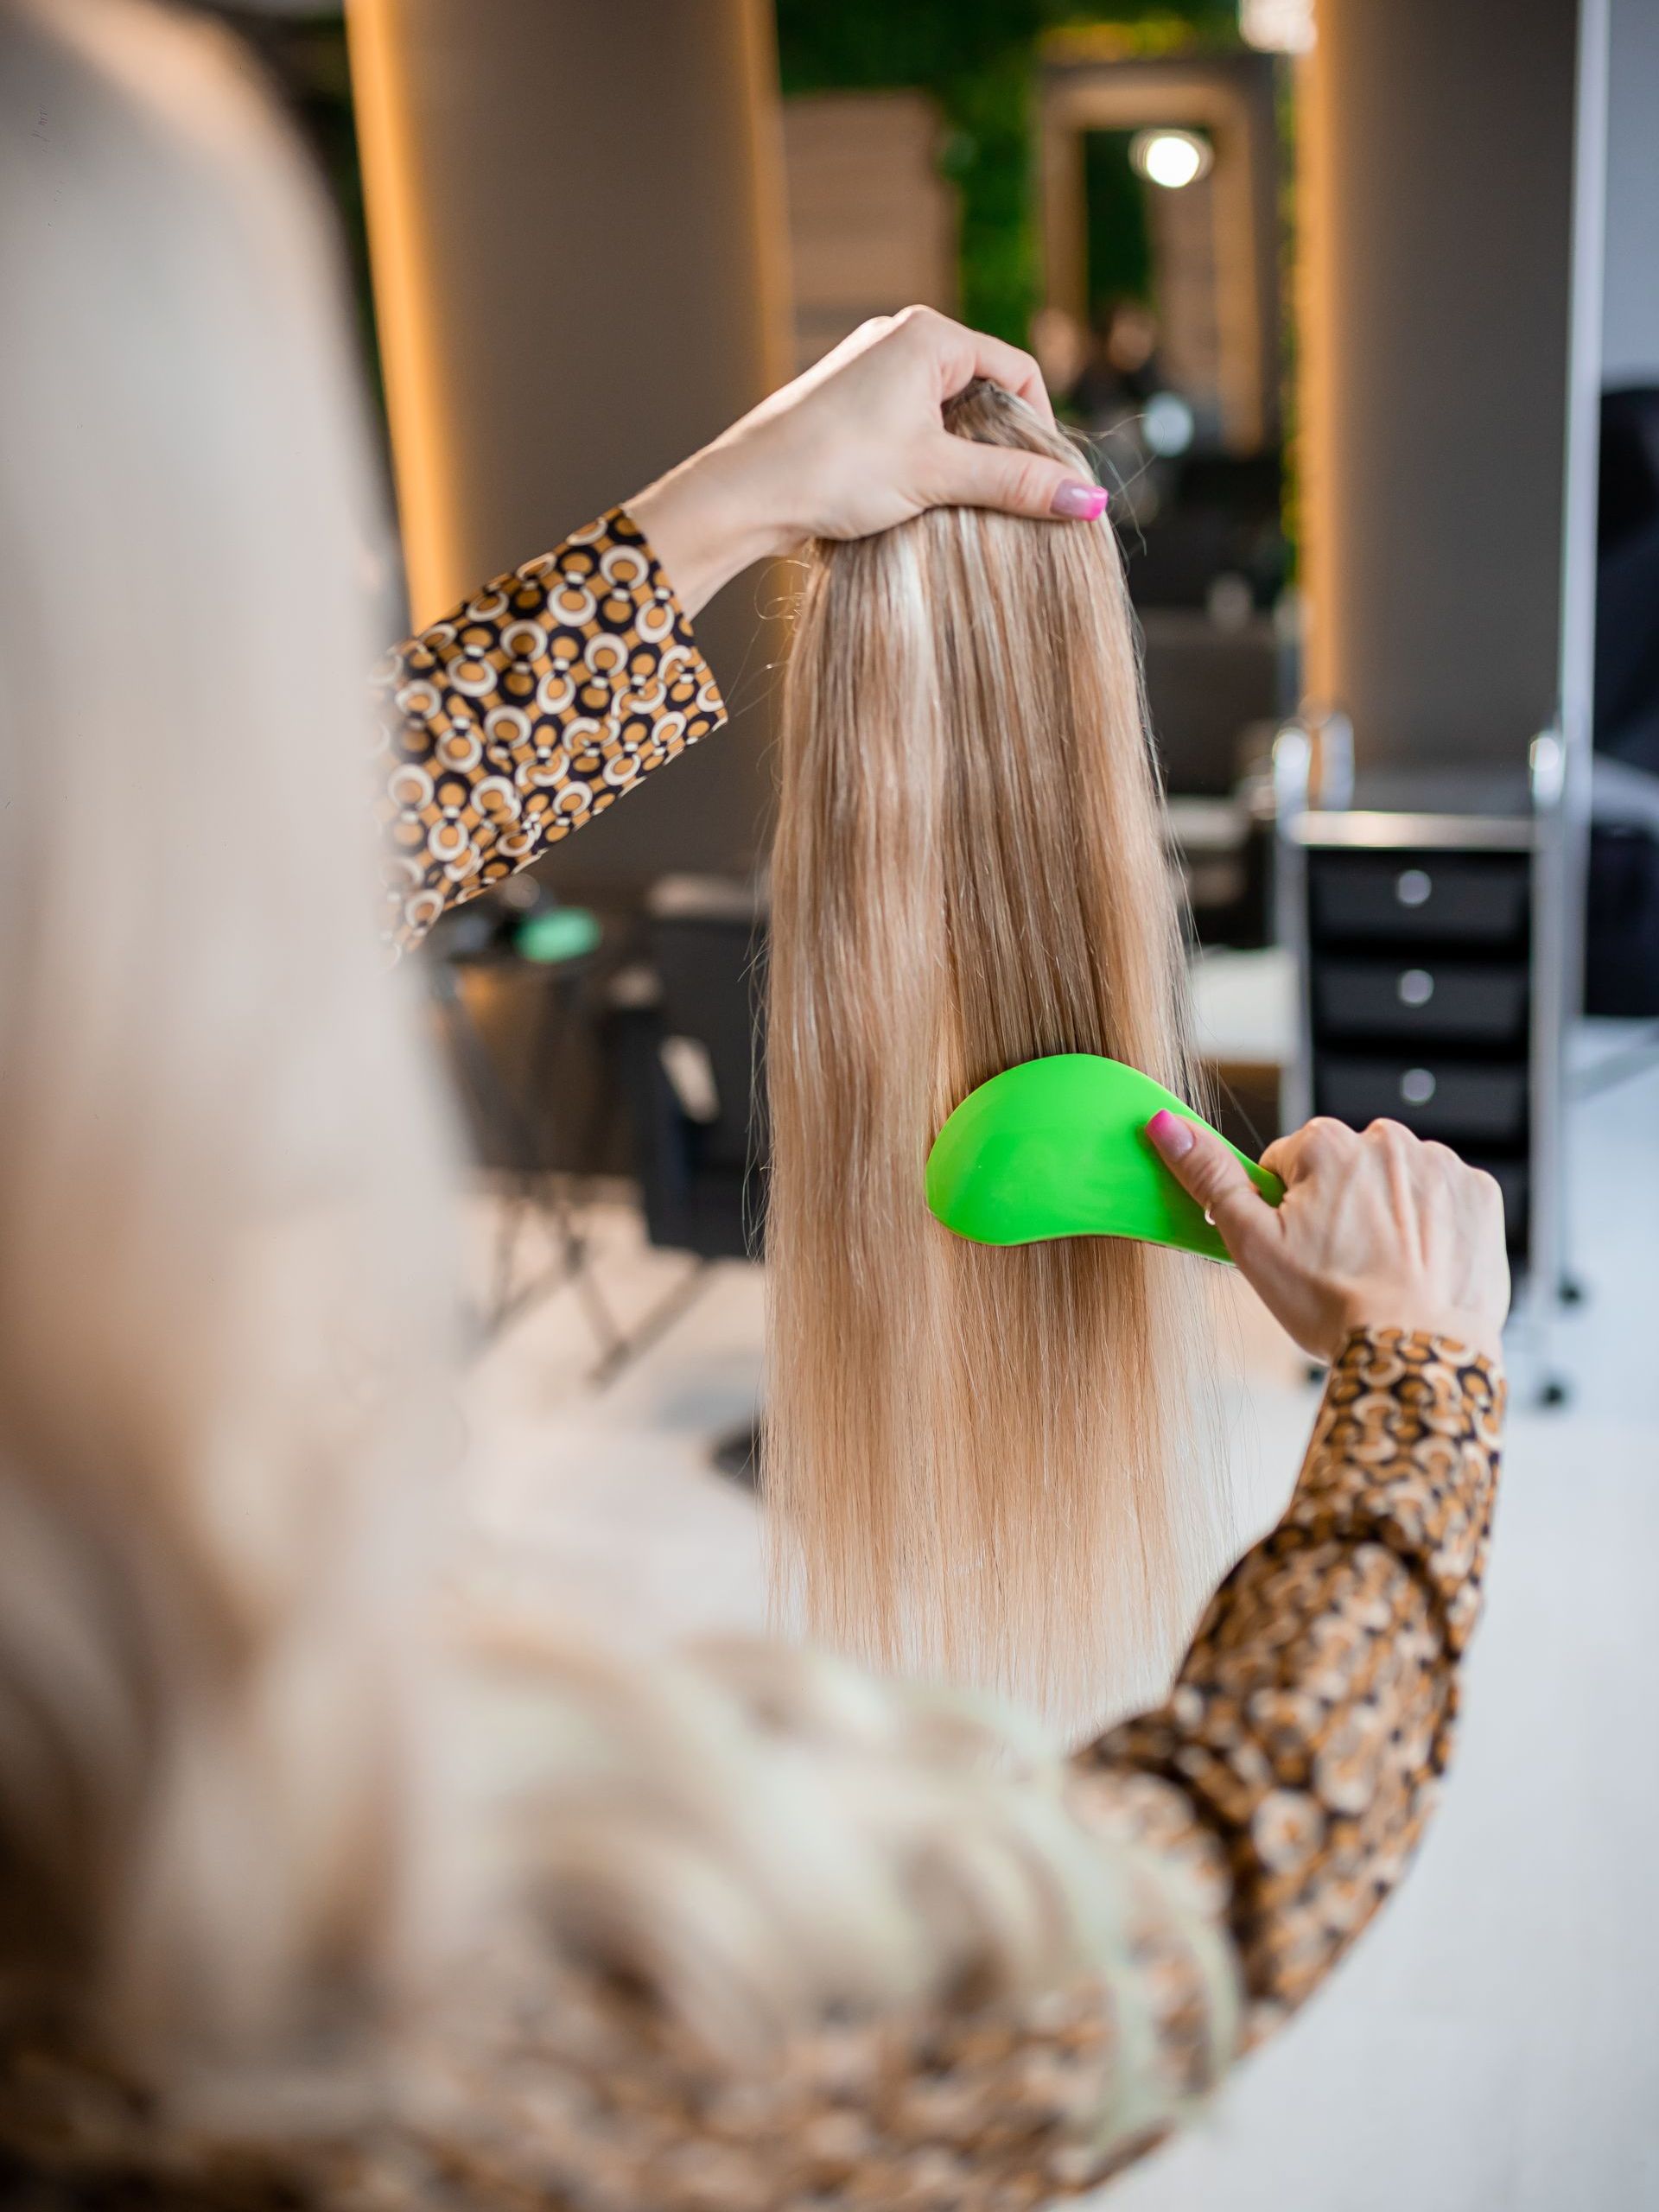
(982, 1461)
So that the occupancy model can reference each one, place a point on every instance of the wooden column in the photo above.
(576, 219)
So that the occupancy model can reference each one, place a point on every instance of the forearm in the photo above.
(1301, 1753)
(529, 710)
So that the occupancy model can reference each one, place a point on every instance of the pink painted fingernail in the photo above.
(1077, 501)
(1172, 1136)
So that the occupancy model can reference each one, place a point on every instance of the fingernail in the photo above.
(1077, 501)
(1172, 1136)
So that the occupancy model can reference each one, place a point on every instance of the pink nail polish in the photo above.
(1172, 1136)
(1079, 502)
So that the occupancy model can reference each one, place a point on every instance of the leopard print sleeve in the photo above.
(1301, 1753)
(527, 711)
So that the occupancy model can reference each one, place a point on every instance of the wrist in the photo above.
(706, 522)
(1471, 1330)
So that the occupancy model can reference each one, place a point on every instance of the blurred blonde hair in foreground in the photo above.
(224, 1287)
(238, 1797)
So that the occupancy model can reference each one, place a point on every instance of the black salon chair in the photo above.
(688, 1025)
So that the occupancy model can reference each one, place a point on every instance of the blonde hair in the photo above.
(981, 1461)
(236, 1796)
(224, 1302)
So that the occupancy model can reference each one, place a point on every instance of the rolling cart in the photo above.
(1428, 916)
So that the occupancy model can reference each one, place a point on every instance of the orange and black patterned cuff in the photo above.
(1312, 1719)
(1406, 1449)
(529, 710)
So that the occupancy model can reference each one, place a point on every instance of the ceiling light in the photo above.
(1170, 158)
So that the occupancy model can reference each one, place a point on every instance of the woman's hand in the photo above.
(1374, 1231)
(851, 448)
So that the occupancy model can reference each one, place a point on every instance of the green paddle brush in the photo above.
(1058, 1147)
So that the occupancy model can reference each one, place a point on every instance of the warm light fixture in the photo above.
(1170, 158)
(1277, 26)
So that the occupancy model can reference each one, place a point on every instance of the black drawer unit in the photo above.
(1462, 1103)
(1417, 929)
(1420, 996)
(1460, 900)
(1513, 1177)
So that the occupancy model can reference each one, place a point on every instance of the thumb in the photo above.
(1211, 1172)
(963, 474)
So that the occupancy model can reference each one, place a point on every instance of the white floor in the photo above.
(1493, 2043)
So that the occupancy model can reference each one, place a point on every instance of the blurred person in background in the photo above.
(304, 1898)
(1122, 371)
(1104, 377)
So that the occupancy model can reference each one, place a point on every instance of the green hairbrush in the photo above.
(1058, 1147)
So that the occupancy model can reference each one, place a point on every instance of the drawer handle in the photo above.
(1415, 986)
(1411, 886)
(1417, 1086)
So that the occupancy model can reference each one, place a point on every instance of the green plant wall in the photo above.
(978, 58)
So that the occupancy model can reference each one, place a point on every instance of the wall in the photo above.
(575, 212)
(1436, 206)
(1631, 305)
(872, 221)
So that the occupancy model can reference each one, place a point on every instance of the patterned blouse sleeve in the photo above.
(526, 712)
(1301, 1750)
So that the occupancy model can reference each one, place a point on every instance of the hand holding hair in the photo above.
(853, 446)
(1379, 1231)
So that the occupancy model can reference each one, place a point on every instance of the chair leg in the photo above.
(657, 1324)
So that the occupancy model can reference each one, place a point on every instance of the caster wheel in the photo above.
(1554, 1393)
